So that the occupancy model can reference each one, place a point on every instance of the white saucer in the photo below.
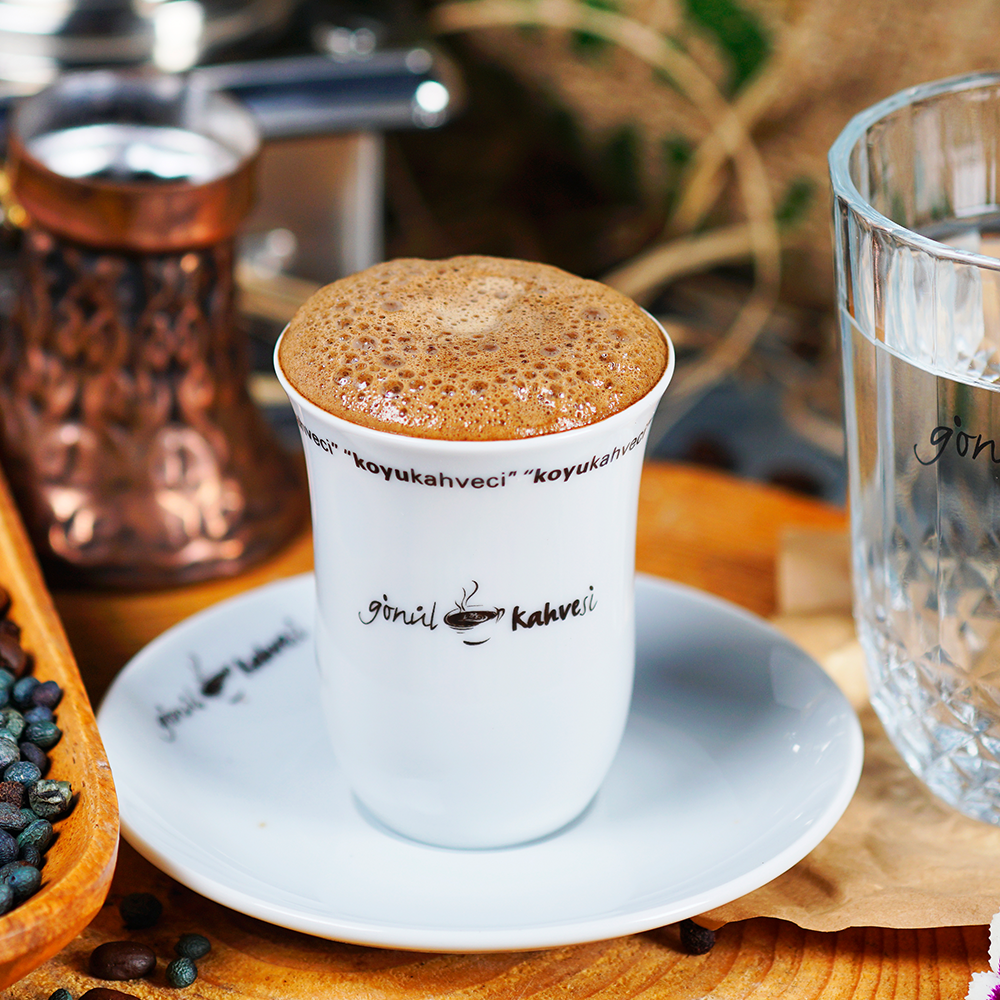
(740, 755)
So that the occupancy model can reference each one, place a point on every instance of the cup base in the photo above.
(462, 844)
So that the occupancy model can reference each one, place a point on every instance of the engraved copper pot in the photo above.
(128, 434)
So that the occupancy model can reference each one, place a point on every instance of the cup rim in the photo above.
(535, 442)
(843, 184)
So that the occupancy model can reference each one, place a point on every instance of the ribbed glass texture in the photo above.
(917, 241)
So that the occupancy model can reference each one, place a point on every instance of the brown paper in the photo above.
(898, 857)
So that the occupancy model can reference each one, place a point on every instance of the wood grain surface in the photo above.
(697, 527)
(80, 863)
(751, 960)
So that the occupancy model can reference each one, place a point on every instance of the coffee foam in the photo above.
(471, 348)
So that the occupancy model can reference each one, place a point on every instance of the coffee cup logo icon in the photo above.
(465, 616)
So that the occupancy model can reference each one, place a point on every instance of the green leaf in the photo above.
(677, 152)
(621, 163)
(737, 32)
(586, 44)
(796, 202)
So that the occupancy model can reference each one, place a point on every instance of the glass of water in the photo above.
(916, 182)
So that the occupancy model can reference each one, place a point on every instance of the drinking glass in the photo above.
(917, 236)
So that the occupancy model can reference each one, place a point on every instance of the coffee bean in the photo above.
(12, 719)
(61, 994)
(23, 772)
(22, 691)
(11, 818)
(122, 960)
(39, 713)
(140, 910)
(106, 993)
(12, 656)
(193, 946)
(43, 734)
(48, 694)
(28, 802)
(8, 848)
(12, 790)
(32, 855)
(695, 939)
(9, 754)
(182, 972)
(36, 755)
(24, 879)
(38, 833)
(50, 799)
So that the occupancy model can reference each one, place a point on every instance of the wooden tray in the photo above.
(695, 526)
(79, 864)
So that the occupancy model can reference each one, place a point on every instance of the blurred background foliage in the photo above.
(677, 150)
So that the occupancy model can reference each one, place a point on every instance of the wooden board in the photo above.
(80, 863)
(757, 959)
(697, 527)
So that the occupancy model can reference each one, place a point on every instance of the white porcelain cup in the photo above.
(475, 618)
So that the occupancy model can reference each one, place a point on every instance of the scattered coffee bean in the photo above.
(39, 713)
(32, 855)
(182, 972)
(24, 879)
(43, 734)
(695, 939)
(193, 946)
(9, 754)
(47, 695)
(38, 833)
(122, 960)
(25, 795)
(23, 689)
(9, 850)
(50, 799)
(11, 818)
(36, 755)
(12, 791)
(12, 655)
(12, 719)
(61, 994)
(140, 910)
(23, 772)
(106, 993)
